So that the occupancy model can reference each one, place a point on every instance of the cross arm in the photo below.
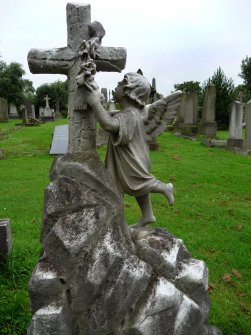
(57, 60)
(110, 59)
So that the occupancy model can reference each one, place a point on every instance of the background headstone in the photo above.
(46, 113)
(208, 126)
(235, 125)
(187, 116)
(60, 140)
(5, 238)
(248, 126)
(4, 110)
(13, 114)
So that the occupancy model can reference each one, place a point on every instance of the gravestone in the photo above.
(187, 116)
(208, 126)
(4, 110)
(60, 140)
(104, 92)
(5, 238)
(96, 275)
(47, 114)
(235, 125)
(13, 114)
(247, 144)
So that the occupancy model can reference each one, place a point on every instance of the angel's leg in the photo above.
(165, 189)
(145, 205)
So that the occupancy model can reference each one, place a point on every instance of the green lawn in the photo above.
(211, 214)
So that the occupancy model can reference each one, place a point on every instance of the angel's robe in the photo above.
(127, 157)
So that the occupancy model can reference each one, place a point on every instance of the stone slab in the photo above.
(59, 145)
(214, 143)
(5, 238)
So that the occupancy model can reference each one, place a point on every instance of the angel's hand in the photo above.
(94, 96)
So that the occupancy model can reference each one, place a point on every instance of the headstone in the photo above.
(5, 238)
(13, 114)
(208, 126)
(60, 140)
(235, 126)
(248, 126)
(47, 114)
(4, 110)
(187, 116)
(104, 92)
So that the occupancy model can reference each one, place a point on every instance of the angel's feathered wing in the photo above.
(160, 114)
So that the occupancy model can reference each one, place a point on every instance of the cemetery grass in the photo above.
(211, 214)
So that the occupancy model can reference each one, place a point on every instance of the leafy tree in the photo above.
(11, 82)
(28, 90)
(246, 72)
(58, 94)
(189, 87)
(246, 93)
(224, 97)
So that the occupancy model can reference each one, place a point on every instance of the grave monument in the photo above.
(247, 144)
(235, 125)
(187, 116)
(4, 110)
(13, 114)
(47, 114)
(5, 238)
(96, 274)
(207, 125)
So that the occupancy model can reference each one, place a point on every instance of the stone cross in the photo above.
(47, 102)
(66, 60)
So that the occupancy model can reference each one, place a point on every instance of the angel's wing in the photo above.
(160, 114)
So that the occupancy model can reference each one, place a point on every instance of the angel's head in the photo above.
(135, 87)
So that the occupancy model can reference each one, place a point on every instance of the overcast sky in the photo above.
(173, 41)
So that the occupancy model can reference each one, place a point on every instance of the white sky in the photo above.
(173, 41)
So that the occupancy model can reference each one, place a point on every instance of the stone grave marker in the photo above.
(13, 114)
(60, 140)
(4, 110)
(97, 275)
(248, 126)
(187, 118)
(47, 114)
(5, 238)
(208, 126)
(235, 125)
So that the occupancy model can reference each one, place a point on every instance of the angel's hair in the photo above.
(136, 87)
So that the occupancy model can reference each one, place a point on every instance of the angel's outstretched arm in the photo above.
(106, 121)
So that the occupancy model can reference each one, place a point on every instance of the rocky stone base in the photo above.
(99, 276)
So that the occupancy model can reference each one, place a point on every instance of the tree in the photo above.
(246, 72)
(11, 82)
(224, 97)
(189, 87)
(28, 90)
(58, 94)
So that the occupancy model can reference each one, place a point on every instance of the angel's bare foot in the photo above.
(145, 220)
(168, 191)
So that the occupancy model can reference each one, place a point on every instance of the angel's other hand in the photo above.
(94, 96)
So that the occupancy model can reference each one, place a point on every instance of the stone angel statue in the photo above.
(127, 157)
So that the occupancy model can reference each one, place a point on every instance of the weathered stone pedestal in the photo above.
(99, 276)
(208, 129)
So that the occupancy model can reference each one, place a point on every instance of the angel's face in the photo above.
(119, 91)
